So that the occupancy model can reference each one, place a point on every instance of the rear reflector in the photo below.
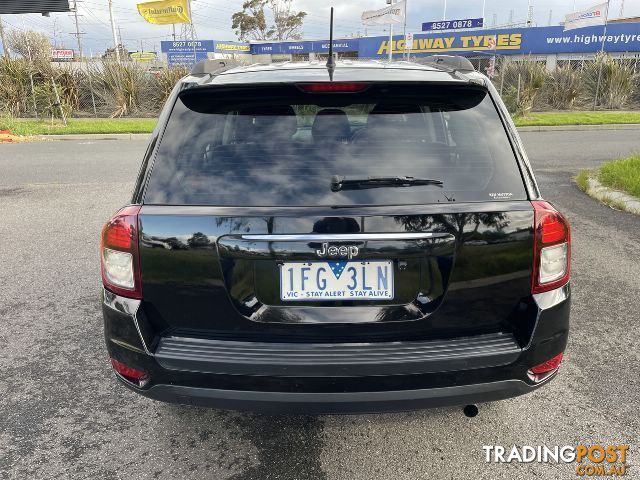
(548, 366)
(119, 256)
(552, 248)
(333, 87)
(132, 375)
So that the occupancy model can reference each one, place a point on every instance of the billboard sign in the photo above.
(621, 37)
(318, 46)
(453, 24)
(61, 54)
(232, 47)
(186, 52)
(183, 52)
(143, 57)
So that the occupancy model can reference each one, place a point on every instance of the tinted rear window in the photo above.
(278, 146)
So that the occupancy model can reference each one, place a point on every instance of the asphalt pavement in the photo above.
(62, 415)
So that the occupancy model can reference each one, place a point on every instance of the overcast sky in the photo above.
(212, 18)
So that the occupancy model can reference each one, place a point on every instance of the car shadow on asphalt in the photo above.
(288, 446)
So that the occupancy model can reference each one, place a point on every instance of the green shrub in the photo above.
(166, 79)
(562, 87)
(14, 87)
(623, 174)
(618, 82)
(121, 88)
(521, 81)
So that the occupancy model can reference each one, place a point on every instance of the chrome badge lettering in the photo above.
(343, 251)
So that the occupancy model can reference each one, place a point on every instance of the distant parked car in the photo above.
(326, 272)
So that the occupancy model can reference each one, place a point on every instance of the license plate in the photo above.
(336, 280)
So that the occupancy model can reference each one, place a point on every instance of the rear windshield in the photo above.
(280, 146)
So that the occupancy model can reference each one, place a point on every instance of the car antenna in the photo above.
(331, 62)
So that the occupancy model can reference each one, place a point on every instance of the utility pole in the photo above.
(404, 33)
(604, 37)
(55, 37)
(530, 14)
(77, 34)
(113, 31)
(494, 21)
(621, 8)
(193, 32)
(550, 17)
(4, 41)
(391, 2)
(511, 13)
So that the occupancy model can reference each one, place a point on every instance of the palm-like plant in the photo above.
(562, 88)
(618, 81)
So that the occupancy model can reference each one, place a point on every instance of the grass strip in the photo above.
(577, 118)
(145, 125)
(623, 174)
(78, 126)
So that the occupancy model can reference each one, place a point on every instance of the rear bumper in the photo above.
(337, 402)
(345, 378)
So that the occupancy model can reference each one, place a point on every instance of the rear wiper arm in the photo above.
(339, 182)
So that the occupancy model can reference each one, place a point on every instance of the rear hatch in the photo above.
(367, 212)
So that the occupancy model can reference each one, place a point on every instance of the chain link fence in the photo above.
(106, 89)
(600, 83)
(109, 89)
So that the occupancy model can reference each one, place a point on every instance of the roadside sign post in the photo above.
(491, 69)
(408, 43)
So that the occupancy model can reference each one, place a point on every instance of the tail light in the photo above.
(119, 254)
(552, 248)
(333, 87)
(543, 370)
(130, 374)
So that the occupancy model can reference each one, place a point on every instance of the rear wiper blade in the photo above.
(339, 182)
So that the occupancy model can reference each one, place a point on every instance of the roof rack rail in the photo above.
(453, 63)
(213, 67)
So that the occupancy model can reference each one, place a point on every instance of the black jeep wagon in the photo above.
(371, 241)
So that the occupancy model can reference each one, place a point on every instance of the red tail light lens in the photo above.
(119, 254)
(333, 87)
(552, 248)
(548, 366)
(137, 377)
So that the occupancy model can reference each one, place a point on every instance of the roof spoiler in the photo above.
(213, 67)
(453, 63)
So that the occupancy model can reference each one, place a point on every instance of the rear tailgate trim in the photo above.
(336, 359)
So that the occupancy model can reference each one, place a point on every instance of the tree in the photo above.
(251, 23)
(287, 24)
(30, 44)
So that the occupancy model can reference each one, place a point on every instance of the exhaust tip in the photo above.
(470, 411)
